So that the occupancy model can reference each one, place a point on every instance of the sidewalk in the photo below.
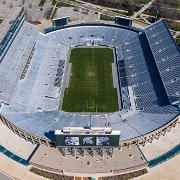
(15, 170)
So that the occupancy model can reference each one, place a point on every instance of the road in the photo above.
(146, 6)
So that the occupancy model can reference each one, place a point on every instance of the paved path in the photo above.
(169, 170)
(4, 177)
(15, 170)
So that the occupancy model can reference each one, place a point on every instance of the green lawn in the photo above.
(41, 3)
(106, 18)
(91, 82)
(1, 20)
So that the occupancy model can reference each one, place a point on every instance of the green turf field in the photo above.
(91, 83)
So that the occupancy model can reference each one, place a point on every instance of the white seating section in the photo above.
(13, 63)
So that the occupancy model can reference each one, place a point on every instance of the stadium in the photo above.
(83, 91)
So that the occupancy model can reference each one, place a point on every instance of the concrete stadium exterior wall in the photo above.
(141, 140)
(26, 135)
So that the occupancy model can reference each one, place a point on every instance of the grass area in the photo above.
(50, 175)
(140, 20)
(127, 176)
(53, 2)
(41, 3)
(178, 41)
(171, 3)
(106, 18)
(91, 82)
(177, 27)
(142, 1)
(62, 4)
(119, 13)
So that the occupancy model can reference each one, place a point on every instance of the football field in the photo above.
(91, 83)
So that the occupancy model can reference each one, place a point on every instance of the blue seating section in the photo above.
(140, 71)
(167, 58)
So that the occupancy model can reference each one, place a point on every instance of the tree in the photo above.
(11, 5)
(160, 14)
(130, 12)
(4, 2)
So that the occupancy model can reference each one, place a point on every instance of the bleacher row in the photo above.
(131, 125)
(167, 58)
(100, 35)
(40, 88)
(13, 63)
(36, 97)
(44, 76)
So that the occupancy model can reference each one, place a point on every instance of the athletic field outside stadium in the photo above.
(90, 86)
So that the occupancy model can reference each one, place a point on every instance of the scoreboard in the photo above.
(87, 137)
(61, 21)
(123, 21)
